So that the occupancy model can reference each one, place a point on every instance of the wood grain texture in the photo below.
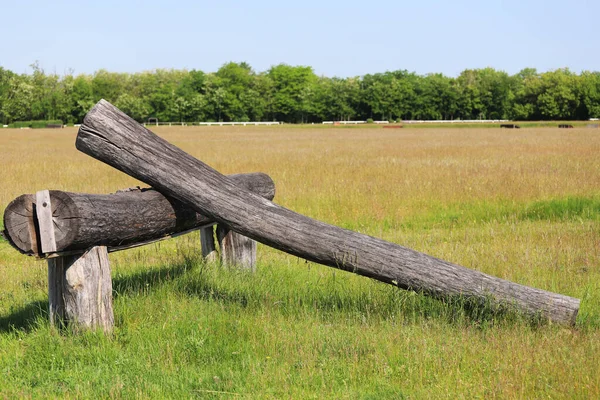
(236, 250)
(207, 241)
(45, 221)
(80, 290)
(111, 136)
(128, 217)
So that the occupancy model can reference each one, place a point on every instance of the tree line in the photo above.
(295, 94)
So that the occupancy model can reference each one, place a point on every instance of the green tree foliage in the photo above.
(590, 94)
(292, 89)
(296, 94)
(559, 95)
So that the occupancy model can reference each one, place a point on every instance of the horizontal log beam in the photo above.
(109, 135)
(125, 219)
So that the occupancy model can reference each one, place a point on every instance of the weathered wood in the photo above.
(110, 136)
(80, 290)
(207, 241)
(45, 221)
(236, 250)
(120, 220)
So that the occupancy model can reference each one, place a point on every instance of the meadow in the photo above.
(523, 205)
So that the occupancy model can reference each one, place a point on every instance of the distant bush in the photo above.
(34, 124)
(369, 120)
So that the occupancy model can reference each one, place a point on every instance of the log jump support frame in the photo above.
(79, 286)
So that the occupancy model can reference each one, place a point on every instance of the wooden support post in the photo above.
(207, 241)
(79, 286)
(80, 290)
(236, 250)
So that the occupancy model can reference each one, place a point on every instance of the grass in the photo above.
(522, 205)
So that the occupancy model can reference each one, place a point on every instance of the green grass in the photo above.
(521, 205)
(565, 209)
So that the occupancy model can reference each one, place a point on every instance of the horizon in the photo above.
(68, 72)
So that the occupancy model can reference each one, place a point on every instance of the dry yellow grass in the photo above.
(458, 194)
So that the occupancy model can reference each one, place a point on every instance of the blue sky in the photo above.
(336, 38)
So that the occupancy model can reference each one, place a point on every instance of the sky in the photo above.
(336, 38)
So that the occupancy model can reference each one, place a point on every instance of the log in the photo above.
(119, 220)
(80, 291)
(236, 250)
(109, 135)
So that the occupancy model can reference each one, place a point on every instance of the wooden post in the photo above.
(207, 241)
(80, 290)
(79, 286)
(236, 250)
(45, 221)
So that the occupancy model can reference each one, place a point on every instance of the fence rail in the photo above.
(456, 121)
(211, 123)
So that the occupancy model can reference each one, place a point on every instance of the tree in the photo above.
(590, 94)
(559, 97)
(526, 88)
(5, 79)
(135, 107)
(290, 84)
(19, 98)
(82, 97)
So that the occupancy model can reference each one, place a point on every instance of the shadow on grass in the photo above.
(329, 302)
(24, 319)
(205, 283)
(140, 282)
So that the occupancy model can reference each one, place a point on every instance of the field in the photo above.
(523, 205)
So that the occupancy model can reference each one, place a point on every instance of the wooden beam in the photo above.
(109, 135)
(69, 223)
(45, 221)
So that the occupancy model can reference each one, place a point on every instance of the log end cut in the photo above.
(21, 225)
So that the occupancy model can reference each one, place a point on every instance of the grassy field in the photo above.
(521, 204)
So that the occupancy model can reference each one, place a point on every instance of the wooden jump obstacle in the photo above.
(75, 232)
(110, 136)
(510, 126)
(239, 209)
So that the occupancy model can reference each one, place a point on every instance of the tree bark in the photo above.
(117, 220)
(80, 290)
(236, 250)
(110, 136)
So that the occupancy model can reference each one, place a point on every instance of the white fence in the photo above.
(211, 123)
(456, 121)
(343, 122)
(437, 121)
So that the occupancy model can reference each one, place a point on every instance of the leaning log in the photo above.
(119, 220)
(110, 136)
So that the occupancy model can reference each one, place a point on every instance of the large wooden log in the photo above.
(110, 136)
(119, 220)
